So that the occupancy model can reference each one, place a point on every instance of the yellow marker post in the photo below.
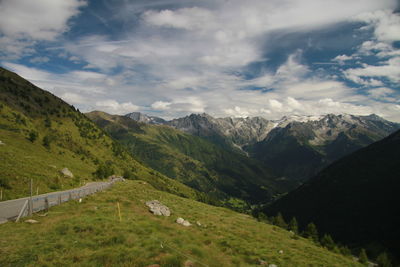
(119, 212)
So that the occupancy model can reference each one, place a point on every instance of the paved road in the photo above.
(10, 209)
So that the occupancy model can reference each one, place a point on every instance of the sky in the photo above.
(235, 58)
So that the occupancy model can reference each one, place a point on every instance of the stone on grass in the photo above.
(272, 265)
(32, 221)
(157, 208)
(1, 143)
(67, 173)
(183, 222)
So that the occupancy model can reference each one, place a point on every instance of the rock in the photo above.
(1, 143)
(272, 265)
(32, 221)
(280, 251)
(198, 223)
(183, 222)
(67, 172)
(157, 208)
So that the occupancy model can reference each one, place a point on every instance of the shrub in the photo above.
(32, 136)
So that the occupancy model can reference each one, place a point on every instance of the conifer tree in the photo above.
(280, 221)
(328, 242)
(293, 225)
(311, 232)
(363, 258)
(383, 260)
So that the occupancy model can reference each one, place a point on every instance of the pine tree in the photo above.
(363, 258)
(280, 221)
(328, 242)
(383, 260)
(293, 225)
(311, 232)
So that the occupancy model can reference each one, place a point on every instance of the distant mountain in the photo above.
(194, 161)
(355, 198)
(297, 150)
(294, 147)
(140, 117)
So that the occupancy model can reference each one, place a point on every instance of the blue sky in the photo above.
(236, 58)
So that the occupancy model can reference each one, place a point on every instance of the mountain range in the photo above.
(241, 163)
(294, 147)
(225, 174)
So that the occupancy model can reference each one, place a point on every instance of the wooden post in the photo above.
(59, 199)
(22, 211)
(46, 204)
(119, 212)
(1, 194)
(37, 190)
(30, 200)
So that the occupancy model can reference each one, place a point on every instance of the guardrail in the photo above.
(18, 208)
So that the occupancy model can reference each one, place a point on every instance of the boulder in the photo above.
(157, 208)
(183, 222)
(67, 173)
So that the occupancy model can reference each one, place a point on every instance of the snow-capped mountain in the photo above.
(295, 146)
(140, 117)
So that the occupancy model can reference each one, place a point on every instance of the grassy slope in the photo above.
(90, 234)
(76, 143)
(192, 160)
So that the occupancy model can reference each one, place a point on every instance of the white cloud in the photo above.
(382, 93)
(114, 107)
(185, 18)
(386, 24)
(161, 105)
(39, 19)
(389, 70)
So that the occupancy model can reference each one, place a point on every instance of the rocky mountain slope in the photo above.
(295, 147)
(355, 199)
(194, 161)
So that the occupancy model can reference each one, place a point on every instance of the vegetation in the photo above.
(353, 198)
(363, 258)
(67, 139)
(224, 175)
(90, 234)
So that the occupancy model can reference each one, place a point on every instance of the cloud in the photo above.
(39, 20)
(185, 18)
(389, 69)
(161, 105)
(386, 24)
(114, 107)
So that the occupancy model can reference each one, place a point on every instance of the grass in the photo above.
(90, 234)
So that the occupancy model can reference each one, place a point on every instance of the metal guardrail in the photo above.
(17, 208)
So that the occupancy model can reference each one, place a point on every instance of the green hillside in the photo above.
(192, 160)
(354, 198)
(40, 134)
(90, 234)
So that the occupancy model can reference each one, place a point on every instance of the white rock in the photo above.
(183, 222)
(158, 208)
(67, 172)
(31, 221)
